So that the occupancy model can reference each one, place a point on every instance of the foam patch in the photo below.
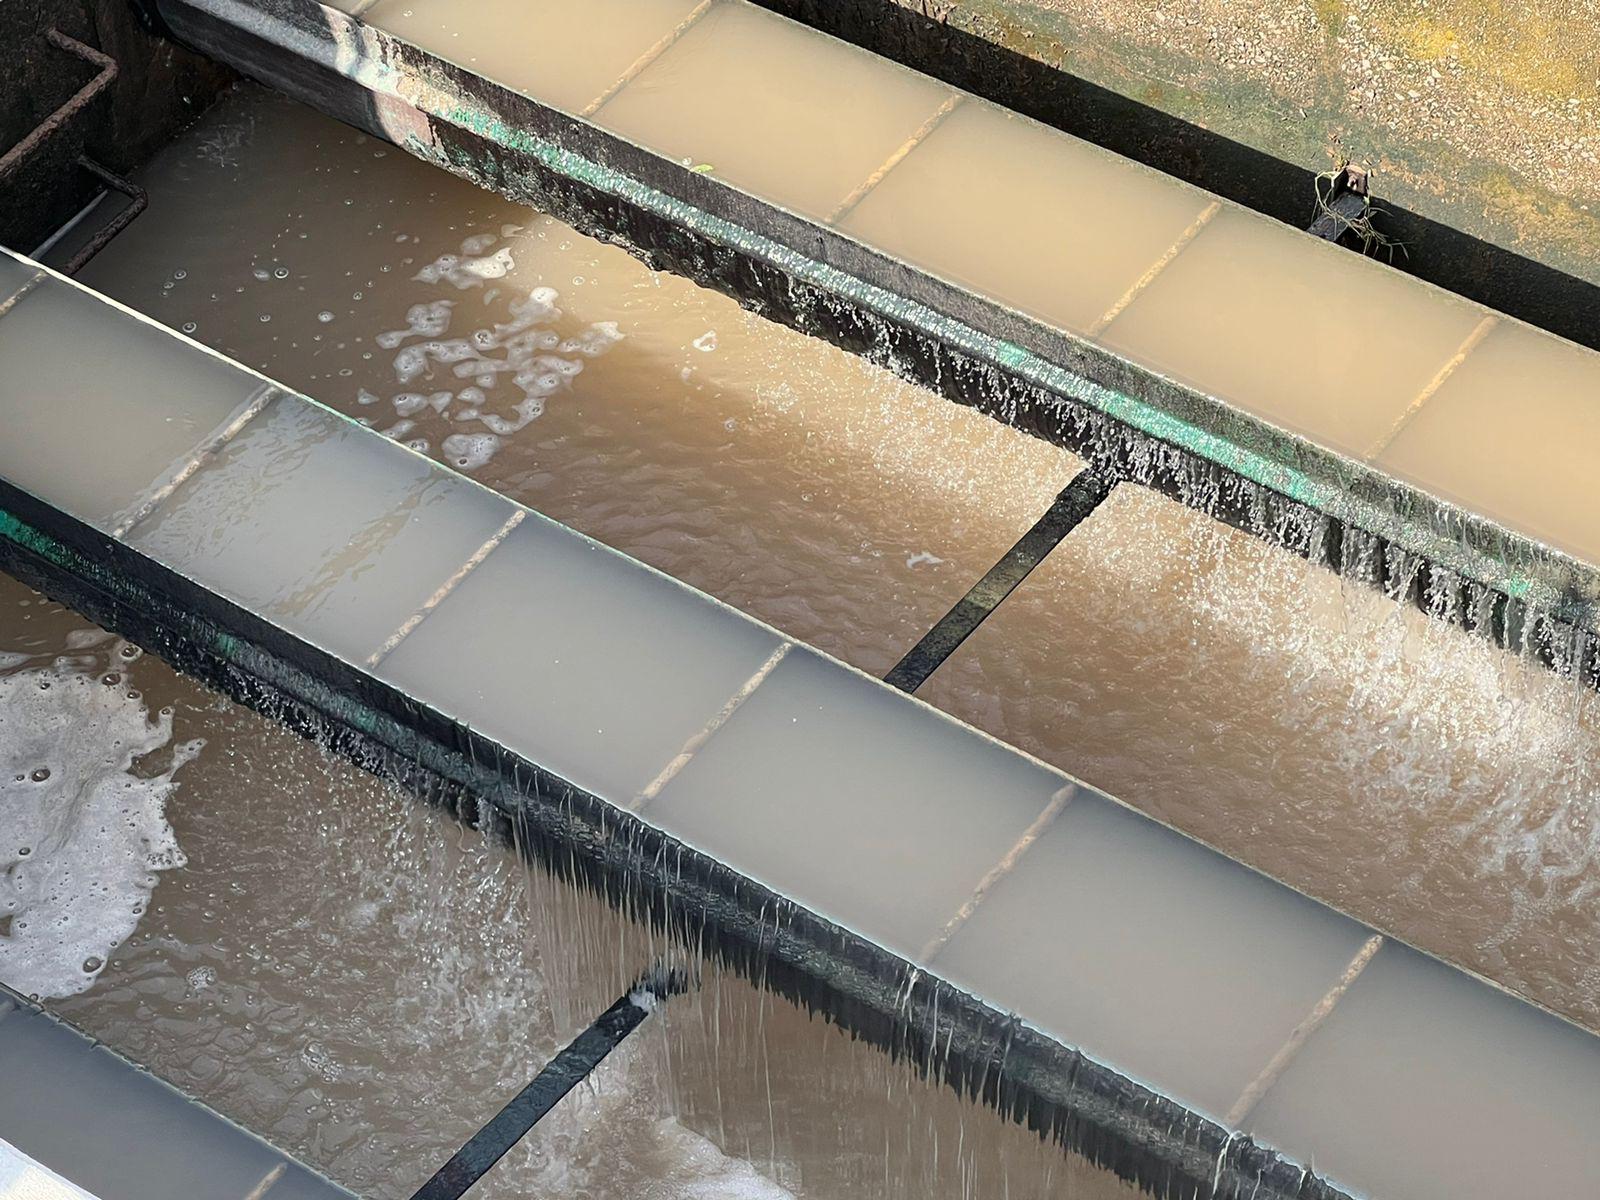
(83, 833)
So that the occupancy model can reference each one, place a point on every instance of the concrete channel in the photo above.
(1191, 1026)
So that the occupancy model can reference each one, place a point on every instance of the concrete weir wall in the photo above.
(1480, 120)
(193, 542)
(1173, 1014)
(1333, 505)
(1161, 1010)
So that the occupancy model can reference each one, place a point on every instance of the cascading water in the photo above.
(1343, 743)
(170, 878)
(174, 902)
(372, 1026)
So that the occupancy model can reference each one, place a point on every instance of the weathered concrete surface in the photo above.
(159, 88)
(1481, 114)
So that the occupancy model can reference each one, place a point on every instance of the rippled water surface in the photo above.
(781, 475)
(364, 981)
(1411, 775)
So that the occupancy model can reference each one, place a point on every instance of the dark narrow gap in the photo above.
(560, 1075)
(1076, 501)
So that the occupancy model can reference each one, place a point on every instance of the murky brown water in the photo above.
(776, 473)
(372, 1024)
(1396, 767)
(1391, 766)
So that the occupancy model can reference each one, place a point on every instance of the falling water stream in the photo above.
(1393, 766)
(371, 1027)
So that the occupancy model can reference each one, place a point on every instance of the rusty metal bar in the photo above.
(445, 588)
(106, 72)
(138, 198)
(1259, 1086)
(924, 131)
(648, 57)
(10, 301)
(999, 871)
(141, 509)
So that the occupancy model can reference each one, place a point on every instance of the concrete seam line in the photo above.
(649, 56)
(1155, 269)
(1472, 342)
(864, 188)
(1258, 1087)
(445, 588)
(10, 301)
(999, 871)
(204, 453)
(696, 742)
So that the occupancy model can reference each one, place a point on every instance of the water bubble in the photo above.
(201, 978)
(189, 327)
(281, 273)
(324, 316)
(40, 775)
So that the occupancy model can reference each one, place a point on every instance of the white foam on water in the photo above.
(467, 270)
(702, 1172)
(468, 451)
(422, 320)
(83, 833)
(525, 357)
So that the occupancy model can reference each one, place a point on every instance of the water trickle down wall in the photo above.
(1191, 353)
(800, 486)
(1386, 975)
(215, 458)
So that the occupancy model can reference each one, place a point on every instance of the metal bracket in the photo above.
(1344, 209)
(1071, 508)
